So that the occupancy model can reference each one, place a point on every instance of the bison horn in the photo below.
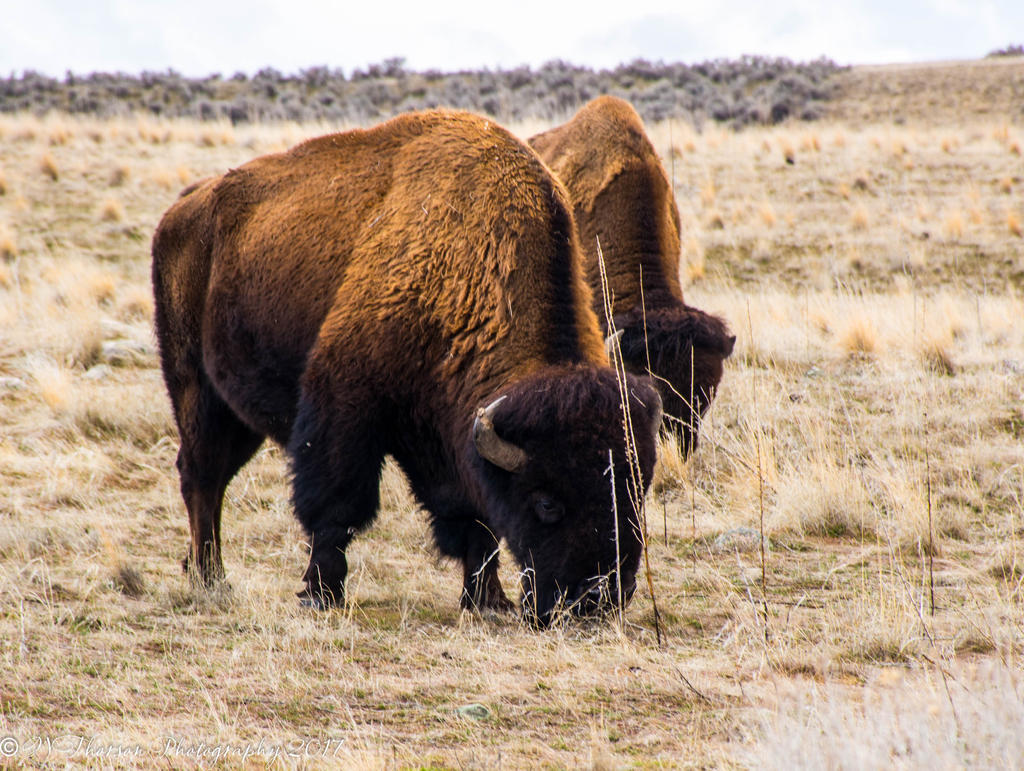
(611, 342)
(492, 447)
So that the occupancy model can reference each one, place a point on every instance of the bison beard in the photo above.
(416, 290)
(622, 200)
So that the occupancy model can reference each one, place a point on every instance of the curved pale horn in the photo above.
(492, 447)
(611, 343)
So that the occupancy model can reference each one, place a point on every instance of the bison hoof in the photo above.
(314, 603)
(323, 600)
(502, 604)
(493, 602)
(205, 576)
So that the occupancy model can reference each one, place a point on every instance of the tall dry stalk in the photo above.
(931, 529)
(647, 355)
(615, 514)
(636, 486)
(693, 442)
(760, 498)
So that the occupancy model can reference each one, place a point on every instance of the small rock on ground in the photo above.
(739, 539)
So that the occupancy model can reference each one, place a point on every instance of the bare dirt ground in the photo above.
(870, 424)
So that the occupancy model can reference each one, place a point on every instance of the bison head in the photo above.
(683, 349)
(561, 487)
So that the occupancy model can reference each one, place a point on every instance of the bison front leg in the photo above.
(481, 587)
(328, 567)
(336, 464)
(460, 533)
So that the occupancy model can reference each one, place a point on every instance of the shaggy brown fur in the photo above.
(364, 294)
(622, 199)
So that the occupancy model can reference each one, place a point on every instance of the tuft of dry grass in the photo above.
(111, 210)
(953, 225)
(59, 136)
(936, 357)
(135, 303)
(1013, 223)
(860, 218)
(101, 287)
(810, 142)
(694, 259)
(8, 246)
(85, 348)
(53, 383)
(1007, 565)
(708, 192)
(48, 165)
(165, 179)
(821, 497)
(121, 174)
(714, 220)
(788, 152)
(107, 416)
(212, 137)
(859, 337)
(129, 581)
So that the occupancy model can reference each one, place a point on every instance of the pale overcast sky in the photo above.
(201, 37)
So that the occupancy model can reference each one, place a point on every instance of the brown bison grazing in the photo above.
(414, 289)
(622, 199)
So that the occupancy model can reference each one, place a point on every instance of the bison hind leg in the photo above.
(215, 444)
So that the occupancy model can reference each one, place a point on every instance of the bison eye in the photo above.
(547, 509)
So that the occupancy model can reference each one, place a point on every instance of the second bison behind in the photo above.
(625, 211)
(414, 289)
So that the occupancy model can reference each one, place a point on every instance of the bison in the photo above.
(414, 290)
(624, 205)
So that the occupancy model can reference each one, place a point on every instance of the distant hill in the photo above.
(937, 92)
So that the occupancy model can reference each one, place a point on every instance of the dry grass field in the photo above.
(870, 424)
